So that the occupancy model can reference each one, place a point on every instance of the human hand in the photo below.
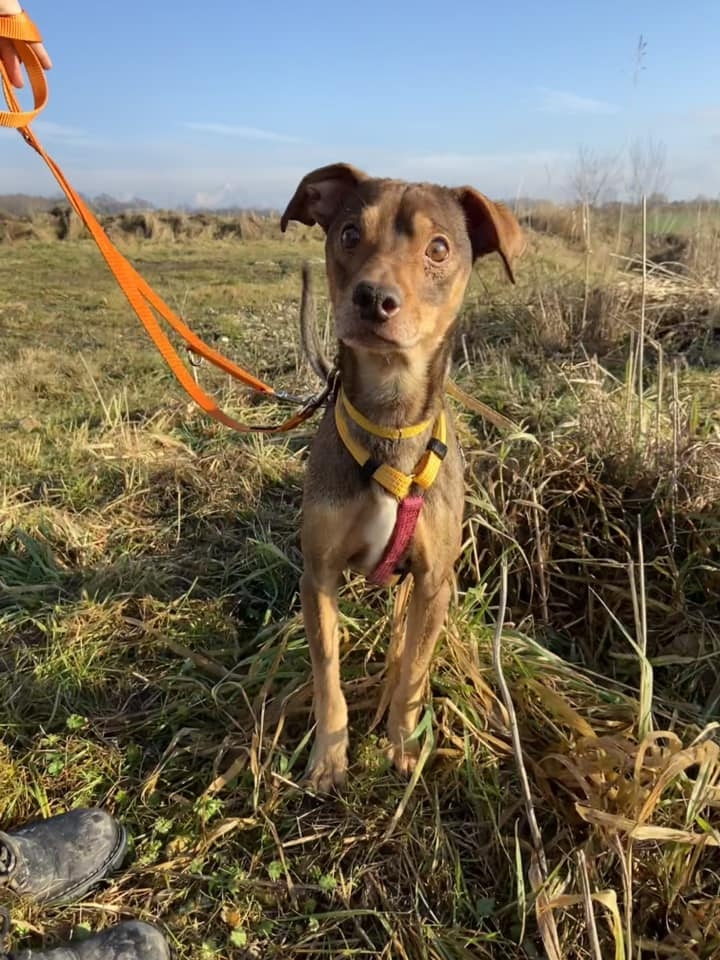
(8, 52)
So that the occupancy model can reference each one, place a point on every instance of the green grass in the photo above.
(152, 656)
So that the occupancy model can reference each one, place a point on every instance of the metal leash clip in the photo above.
(194, 358)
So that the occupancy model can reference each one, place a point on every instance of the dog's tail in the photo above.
(308, 328)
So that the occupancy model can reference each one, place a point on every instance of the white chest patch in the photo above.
(379, 523)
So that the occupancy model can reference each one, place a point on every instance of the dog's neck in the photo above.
(395, 389)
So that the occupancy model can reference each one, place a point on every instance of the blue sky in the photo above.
(232, 101)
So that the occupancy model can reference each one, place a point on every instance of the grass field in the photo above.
(152, 657)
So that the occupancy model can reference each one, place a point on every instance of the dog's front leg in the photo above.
(328, 759)
(426, 616)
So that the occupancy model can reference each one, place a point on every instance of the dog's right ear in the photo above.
(320, 193)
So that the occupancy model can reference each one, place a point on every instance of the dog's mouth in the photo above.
(377, 341)
(393, 335)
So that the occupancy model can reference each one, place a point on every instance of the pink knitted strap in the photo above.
(405, 523)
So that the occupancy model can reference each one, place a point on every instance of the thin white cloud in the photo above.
(60, 133)
(222, 196)
(528, 173)
(168, 176)
(49, 129)
(244, 133)
(709, 116)
(201, 185)
(562, 102)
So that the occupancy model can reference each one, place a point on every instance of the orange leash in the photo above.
(143, 299)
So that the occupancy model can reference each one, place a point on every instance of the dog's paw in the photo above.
(404, 757)
(327, 767)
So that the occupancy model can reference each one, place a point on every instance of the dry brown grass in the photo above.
(159, 226)
(153, 649)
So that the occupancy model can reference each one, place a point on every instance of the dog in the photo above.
(384, 487)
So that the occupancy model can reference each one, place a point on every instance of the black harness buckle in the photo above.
(437, 447)
(368, 468)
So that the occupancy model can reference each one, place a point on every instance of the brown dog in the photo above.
(398, 258)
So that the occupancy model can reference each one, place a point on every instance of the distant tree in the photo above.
(595, 177)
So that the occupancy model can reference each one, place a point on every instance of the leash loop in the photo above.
(22, 31)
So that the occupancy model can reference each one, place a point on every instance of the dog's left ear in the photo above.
(320, 194)
(492, 228)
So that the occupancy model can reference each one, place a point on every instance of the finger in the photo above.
(11, 62)
(42, 55)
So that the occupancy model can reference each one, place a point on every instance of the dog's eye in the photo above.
(438, 249)
(350, 236)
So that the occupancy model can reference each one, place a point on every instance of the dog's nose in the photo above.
(376, 303)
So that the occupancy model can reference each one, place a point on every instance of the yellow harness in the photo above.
(397, 483)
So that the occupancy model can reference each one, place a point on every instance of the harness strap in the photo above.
(386, 572)
(394, 481)
(377, 429)
(397, 483)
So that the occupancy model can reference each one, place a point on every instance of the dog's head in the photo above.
(398, 254)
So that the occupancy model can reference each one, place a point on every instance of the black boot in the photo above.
(61, 858)
(126, 941)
